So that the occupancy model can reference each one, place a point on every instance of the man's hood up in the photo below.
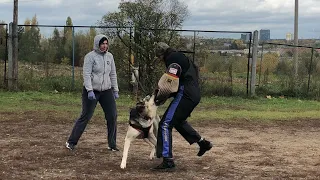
(97, 38)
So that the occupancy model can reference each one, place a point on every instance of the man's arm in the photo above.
(168, 83)
(113, 76)
(87, 70)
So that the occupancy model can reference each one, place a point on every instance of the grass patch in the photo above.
(210, 108)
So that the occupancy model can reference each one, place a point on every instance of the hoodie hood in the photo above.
(97, 38)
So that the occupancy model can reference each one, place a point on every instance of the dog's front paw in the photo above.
(122, 166)
(152, 156)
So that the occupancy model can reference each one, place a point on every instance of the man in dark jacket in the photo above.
(186, 98)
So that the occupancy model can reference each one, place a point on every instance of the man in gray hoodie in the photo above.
(100, 85)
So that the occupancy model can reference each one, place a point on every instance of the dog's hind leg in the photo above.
(132, 134)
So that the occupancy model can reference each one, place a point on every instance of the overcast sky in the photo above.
(225, 15)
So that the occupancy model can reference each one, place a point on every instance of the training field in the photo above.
(32, 147)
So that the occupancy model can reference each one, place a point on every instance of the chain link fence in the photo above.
(51, 57)
(222, 57)
(281, 75)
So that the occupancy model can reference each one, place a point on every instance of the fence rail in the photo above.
(277, 71)
(51, 56)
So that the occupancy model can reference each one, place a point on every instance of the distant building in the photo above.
(245, 37)
(289, 37)
(264, 34)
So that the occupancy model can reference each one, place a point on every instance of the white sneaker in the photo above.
(113, 149)
(70, 146)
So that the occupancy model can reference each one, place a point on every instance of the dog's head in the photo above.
(147, 107)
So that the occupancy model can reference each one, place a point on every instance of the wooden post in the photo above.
(14, 72)
(254, 62)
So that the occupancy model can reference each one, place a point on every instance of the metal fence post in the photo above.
(73, 57)
(194, 44)
(5, 56)
(254, 62)
(10, 59)
(260, 65)
(129, 60)
(310, 70)
(248, 67)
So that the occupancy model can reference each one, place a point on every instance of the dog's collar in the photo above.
(144, 131)
(138, 126)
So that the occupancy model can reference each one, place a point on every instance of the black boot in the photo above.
(204, 146)
(166, 165)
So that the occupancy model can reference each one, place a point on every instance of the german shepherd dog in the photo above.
(143, 124)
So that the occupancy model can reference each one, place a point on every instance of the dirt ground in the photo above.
(32, 147)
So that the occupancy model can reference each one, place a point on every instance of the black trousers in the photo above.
(108, 104)
(175, 116)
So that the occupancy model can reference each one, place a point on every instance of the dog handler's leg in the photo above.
(181, 124)
(88, 107)
(132, 134)
(164, 138)
(108, 105)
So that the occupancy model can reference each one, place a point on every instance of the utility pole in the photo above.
(296, 38)
(13, 65)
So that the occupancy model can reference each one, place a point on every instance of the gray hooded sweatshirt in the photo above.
(99, 70)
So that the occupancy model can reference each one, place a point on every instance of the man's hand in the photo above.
(159, 99)
(91, 95)
(116, 94)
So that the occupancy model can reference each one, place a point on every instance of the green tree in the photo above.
(145, 15)
(29, 44)
(67, 40)
(237, 44)
(270, 61)
(84, 44)
(284, 68)
(56, 46)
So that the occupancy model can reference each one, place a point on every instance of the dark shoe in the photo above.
(166, 165)
(113, 149)
(70, 146)
(204, 146)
